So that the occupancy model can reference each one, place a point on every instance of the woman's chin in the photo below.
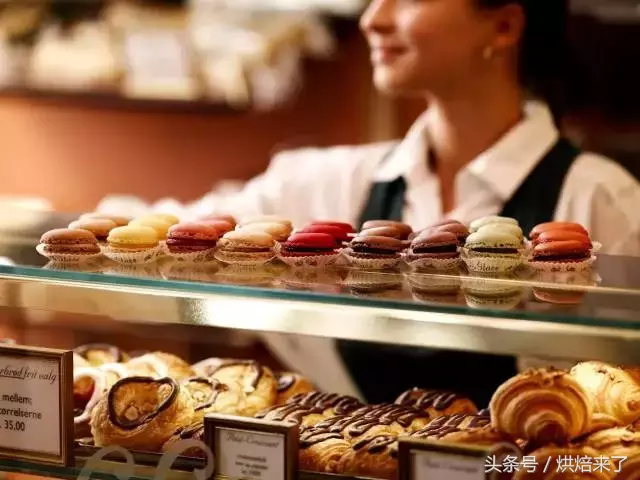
(392, 83)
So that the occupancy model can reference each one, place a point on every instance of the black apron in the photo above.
(382, 372)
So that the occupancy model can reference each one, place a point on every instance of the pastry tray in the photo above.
(188, 464)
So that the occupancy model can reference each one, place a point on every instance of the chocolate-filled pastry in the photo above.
(211, 396)
(614, 391)
(303, 415)
(141, 413)
(100, 353)
(542, 406)
(254, 383)
(159, 365)
(448, 424)
(331, 403)
(549, 467)
(192, 432)
(206, 367)
(290, 384)
(90, 384)
(320, 451)
(436, 403)
(375, 457)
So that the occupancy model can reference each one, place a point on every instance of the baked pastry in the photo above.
(630, 468)
(158, 365)
(79, 362)
(192, 432)
(290, 384)
(448, 424)
(550, 463)
(90, 384)
(254, 383)
(320, 451)
(304, 415)
(617, 442)
(331, 403)
(97, 354)
(211, 396)
(542, 406)
(486, 435)
(436, 403)
(374, 457)
(141, 413)
(613, 391)
(206, 367)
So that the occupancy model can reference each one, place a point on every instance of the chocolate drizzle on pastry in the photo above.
(195, 431)
(289, 412)
(256, 368)
(447, 424)
(375, 444)
(113, 351)
(285, 381)
(216, 388)
(341, 404)
(314, 436)
(424, 399)
(127, 424)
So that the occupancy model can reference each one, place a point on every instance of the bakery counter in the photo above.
(569, 315)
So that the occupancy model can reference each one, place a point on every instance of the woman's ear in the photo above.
(509, 24)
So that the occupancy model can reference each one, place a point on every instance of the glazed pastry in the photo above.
(552, 456)
(615, 442)
(374, 457)
(254, 383)
(211, 396)
(436, 403)
(612, 390)
(449, 424)
(290, 384)
(192, 432)
(141, 413)
(305, 415)
(205, 368)
(99, 353)
(320, 450)
(542, 406)
(90, 384)
(160, 364)
(331, 403)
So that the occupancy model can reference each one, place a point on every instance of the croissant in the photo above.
(331, 403)
(613, 391)
(320, 451)
(543, 406)
(630, 468)
(566, 463)
(290, 384)
(373, 457)
(615, 442)
(448, 424)
(436, 403)
(211, 396)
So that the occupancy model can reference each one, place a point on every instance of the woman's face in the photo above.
(422, 46)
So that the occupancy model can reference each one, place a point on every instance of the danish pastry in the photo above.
(436, 403)
(254, 383)
(320, 451)
(549, 463)
(206, 368)
(209, 396)
(375, 457)
(292, 412)
(449, 424)
(331, 403)
(90, 384)
(542, 406)
(192, 432)
(613, 391)
(290, 384)
(79, 362)
(159, 365)
(99, 353)
(141, 413)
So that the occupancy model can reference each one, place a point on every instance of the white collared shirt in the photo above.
(334, 183)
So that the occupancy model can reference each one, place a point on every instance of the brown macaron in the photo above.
(403, 227)
(435, 244)
(100, 227)
(377, 246)
(69, 241)
(391, 231)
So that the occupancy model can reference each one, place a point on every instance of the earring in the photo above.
(487, 53)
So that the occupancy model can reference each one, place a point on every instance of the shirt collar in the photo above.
(503, 167)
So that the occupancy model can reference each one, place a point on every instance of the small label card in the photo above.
(252, 449)
(434, 460)
(36, 404)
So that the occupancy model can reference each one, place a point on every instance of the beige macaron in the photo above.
(279, 231)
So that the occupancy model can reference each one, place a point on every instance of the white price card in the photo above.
(252, 449)
(36, 404)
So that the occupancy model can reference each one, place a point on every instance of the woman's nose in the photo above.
(378, 17)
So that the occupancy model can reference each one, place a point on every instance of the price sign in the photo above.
(252, 449)
(429, 460)
(36, 404)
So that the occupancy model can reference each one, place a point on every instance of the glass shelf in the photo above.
(593, 315)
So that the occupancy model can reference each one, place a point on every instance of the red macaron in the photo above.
(306, 244)
(192, 237)
(222, 226)
(339, 234)
(562, 235)
(551, 226)
(561, 251)
(345, 227)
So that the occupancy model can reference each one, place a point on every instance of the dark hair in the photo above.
(544, 49)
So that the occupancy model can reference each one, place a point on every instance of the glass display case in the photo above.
(555, 317)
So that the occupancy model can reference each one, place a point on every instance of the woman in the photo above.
(482, 147)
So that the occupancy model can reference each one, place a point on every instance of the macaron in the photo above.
(165, 217)
(265, 219)
(480, 222)
(549, 226)
(345, 227)
(119, 220)
(279, 231)
(222, 226)
(458, 229)
(561, 235)
(225, 218)
(388, 231)
(309, 244)
(338, 234)
(160, 226)
(191, 237)
(493, 241)
(67, 241)
(435, 245)
(505, 227)
(406, 229)
(561, 251)
(132, 238)
(245, 246)
(100, 227)
(376, 247)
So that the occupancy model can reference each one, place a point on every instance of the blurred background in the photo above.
(170, 97)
